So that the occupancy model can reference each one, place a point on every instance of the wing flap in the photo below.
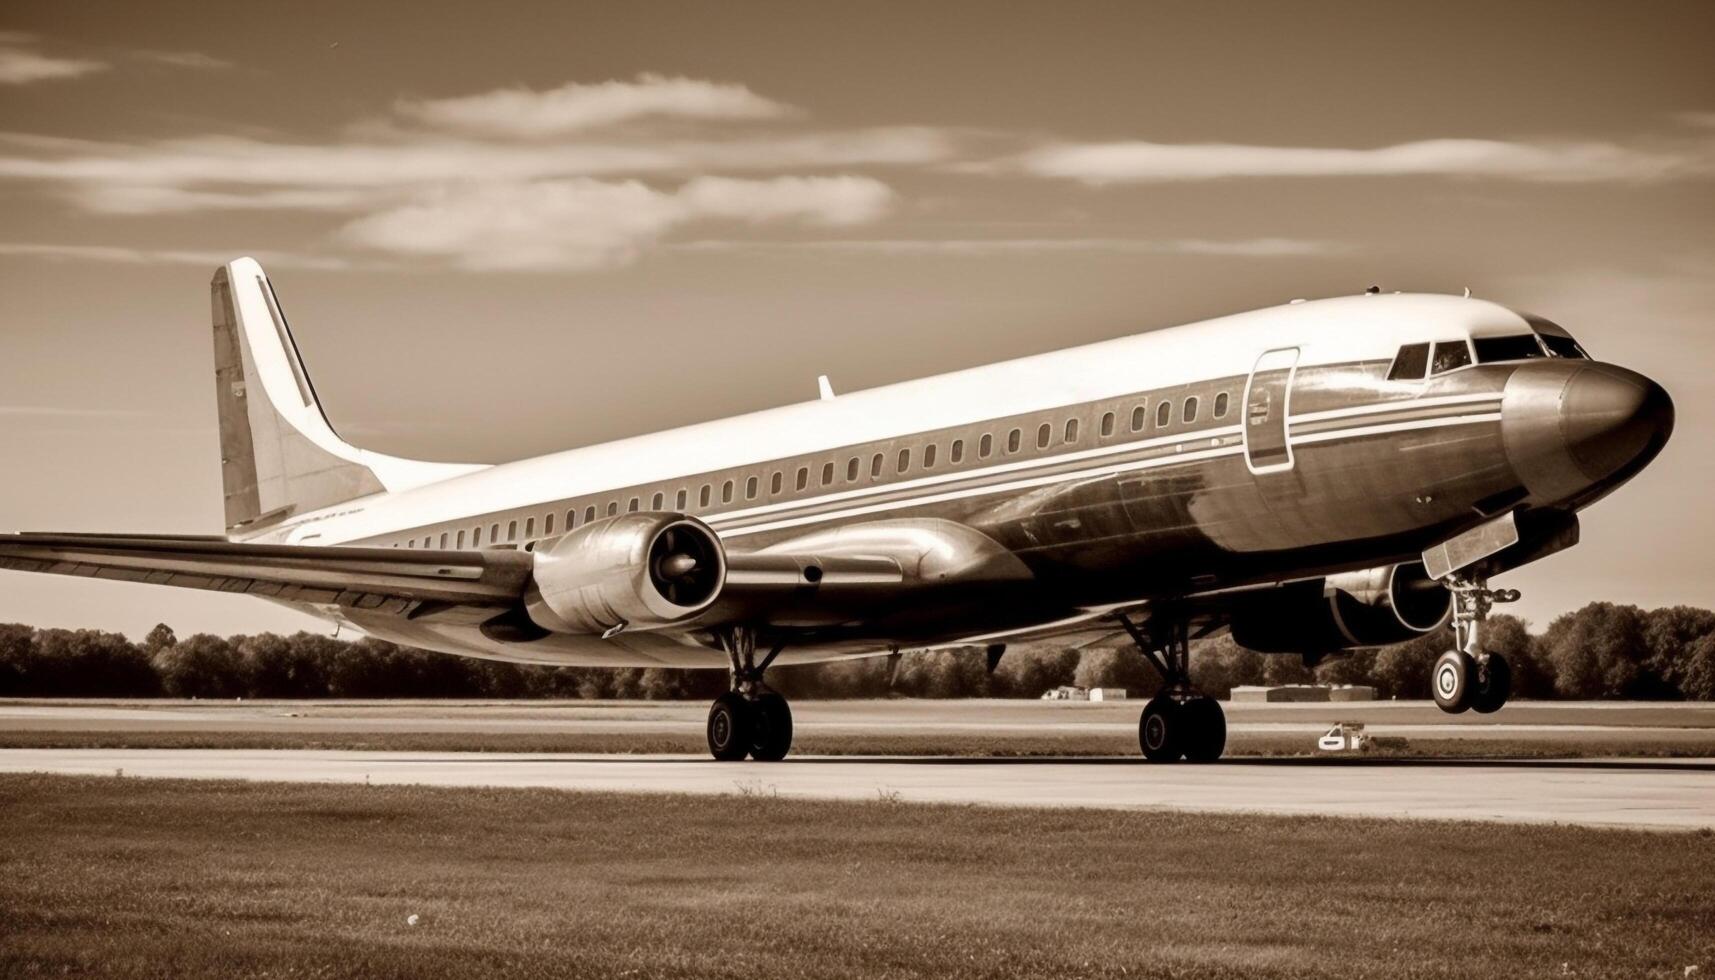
(385, 579)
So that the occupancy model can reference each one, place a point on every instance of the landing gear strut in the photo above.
(1179, 722)
(1470, 677)
(750, 719)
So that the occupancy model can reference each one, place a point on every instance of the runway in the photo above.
(1658, 794)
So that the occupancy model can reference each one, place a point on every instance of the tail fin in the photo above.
(279, 455)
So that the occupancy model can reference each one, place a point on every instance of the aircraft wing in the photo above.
(403, 582)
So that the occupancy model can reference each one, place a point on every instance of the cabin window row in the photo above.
(905, 461)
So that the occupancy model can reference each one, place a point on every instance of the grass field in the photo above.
(160, 878)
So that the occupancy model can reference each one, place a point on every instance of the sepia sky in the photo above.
(501, 230)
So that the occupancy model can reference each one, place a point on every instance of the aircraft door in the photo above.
(1268, 397)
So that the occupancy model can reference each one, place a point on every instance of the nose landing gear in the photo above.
(1469, 677)
(1179, 722)
(751, 719)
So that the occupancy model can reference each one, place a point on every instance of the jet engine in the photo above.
(1373, 607)
(631, 572)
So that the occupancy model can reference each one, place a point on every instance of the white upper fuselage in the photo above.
(1330, 331)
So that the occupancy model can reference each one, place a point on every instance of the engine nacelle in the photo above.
(635, 572)
(1369, 608)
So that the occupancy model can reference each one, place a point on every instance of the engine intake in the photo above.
(635, 571)
(1373, 607)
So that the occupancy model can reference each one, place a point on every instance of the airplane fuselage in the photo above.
(1259, 448)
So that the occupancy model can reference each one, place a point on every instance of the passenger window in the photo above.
(426, 541)
(703, 496)
(1221, 405)
(1449, 354)
(904, 460)
(443, 540)
(827, 474)
(631, 505)
(1163, 414)
(750, 489)
(460, 540)
(548, 525)
(852, 470)
(726, 492)
(410, 544)
(530, 527)
(1107, 424)
(1190, 413)
(589, 514)
(571, 519)
(1071, 430)
(875, 466)
(985, 445)
(680, 499)
(1138, 415)
(776, 482)
(929, 456)
(476, 538)
(1410, 363)
(1014, 439)
(1515, 348)
(494, 533)
(658, 501)
(612, 507)
(1044, 435)
(803, 477)
(956, 452)
(512, 530)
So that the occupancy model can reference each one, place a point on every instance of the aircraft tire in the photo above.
(1453, 681)
(1159, 731)
(1493, 685)
(732, 724)
(1204, 727)
(771, 737)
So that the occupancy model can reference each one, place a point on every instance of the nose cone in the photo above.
(1576, 428)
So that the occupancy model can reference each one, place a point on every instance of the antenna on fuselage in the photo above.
(823, 387)
(1373, 290)
(1467, 292)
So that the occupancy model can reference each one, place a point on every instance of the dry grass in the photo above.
(187, 879)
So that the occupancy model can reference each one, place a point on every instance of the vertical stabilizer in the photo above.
(279, 455)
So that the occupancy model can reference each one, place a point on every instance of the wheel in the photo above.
(1158, 730)
(771, 736)
(1494, 682)
(1204, 729)
(1453, 679)
(731, 723)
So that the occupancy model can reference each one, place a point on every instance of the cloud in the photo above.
(20, 65)
(1251, 247)
(1101, 164)
(577, 106)
(155, 256)
(195, 60)
(583, 224)
(234, 163)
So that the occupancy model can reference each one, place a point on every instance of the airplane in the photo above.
(1314, 478)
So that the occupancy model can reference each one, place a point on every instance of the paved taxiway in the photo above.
(1677, 794)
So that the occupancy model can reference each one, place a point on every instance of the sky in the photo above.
(502, 230)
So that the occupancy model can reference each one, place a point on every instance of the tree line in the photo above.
(1600, 651)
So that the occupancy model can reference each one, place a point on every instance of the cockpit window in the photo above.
(1449, 354)
(1562, 346)
(1555, 338)
(1517, 347)
(1410, 363)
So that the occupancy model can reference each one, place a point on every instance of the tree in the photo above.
(202, 666)
(1671, 634)
(1124, 668)
(1026, 672)
(1599, 651)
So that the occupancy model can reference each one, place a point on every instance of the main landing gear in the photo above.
(751, 719)
(1470, 677)
(1179, 722)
